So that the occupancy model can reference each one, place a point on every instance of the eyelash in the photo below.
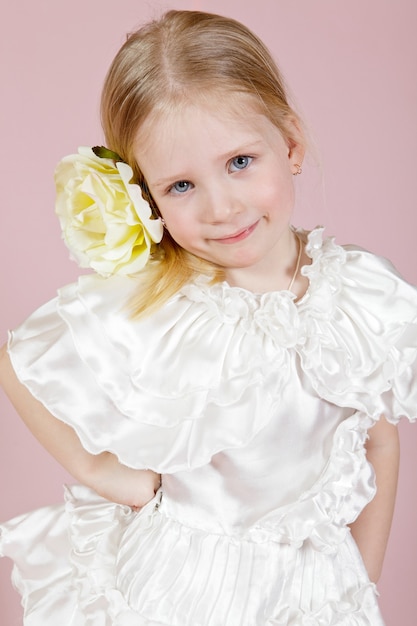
(248, 160)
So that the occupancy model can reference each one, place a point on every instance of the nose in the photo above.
(221, 204)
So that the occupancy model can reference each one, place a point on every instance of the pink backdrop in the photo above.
(352, 65)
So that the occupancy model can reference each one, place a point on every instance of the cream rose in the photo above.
(106, 224)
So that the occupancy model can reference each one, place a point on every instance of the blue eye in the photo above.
(240, 162)
(180, 186)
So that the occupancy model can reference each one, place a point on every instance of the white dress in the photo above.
(255, 409)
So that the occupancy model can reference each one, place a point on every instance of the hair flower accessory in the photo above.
(106, 224)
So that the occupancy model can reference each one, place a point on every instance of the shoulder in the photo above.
(374, 284)
(358, 281)
(360, 330)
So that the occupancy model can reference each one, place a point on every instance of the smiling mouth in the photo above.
(239, 236)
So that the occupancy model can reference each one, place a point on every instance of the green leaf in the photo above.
(105, 153)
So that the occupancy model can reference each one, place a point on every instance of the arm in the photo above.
(371, 529)
(101, 472)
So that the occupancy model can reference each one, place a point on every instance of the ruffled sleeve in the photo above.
(165, 392)
(360, 345)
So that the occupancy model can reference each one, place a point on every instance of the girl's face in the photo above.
(224, 186)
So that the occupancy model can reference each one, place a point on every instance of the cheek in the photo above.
(181, 228)
(276, 197)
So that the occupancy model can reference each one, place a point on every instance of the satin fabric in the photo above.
(255, 408)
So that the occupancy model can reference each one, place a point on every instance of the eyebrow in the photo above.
(244, 149)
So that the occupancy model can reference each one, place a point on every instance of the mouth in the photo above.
(240, 235)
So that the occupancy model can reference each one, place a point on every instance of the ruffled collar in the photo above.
(278, 313)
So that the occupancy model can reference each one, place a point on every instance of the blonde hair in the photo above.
(181, 58)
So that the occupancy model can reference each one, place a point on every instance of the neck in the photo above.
(277, 271)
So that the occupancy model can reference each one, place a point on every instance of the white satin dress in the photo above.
(255, 410)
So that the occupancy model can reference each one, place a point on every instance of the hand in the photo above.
(121, 484)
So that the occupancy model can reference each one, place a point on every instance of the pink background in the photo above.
(352, 65)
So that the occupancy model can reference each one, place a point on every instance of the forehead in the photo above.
(209, 122)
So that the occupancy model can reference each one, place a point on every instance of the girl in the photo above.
(225, 387)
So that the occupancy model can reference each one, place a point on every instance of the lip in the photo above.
(240, 235)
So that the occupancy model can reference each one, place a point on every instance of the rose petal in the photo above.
(106, 223)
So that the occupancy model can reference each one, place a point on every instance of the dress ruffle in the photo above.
(360, 345)
(354, 330)
(321, 514)
(125, 569)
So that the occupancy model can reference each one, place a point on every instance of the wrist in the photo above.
(118, 483)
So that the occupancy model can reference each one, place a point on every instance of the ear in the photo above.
(296, 142)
